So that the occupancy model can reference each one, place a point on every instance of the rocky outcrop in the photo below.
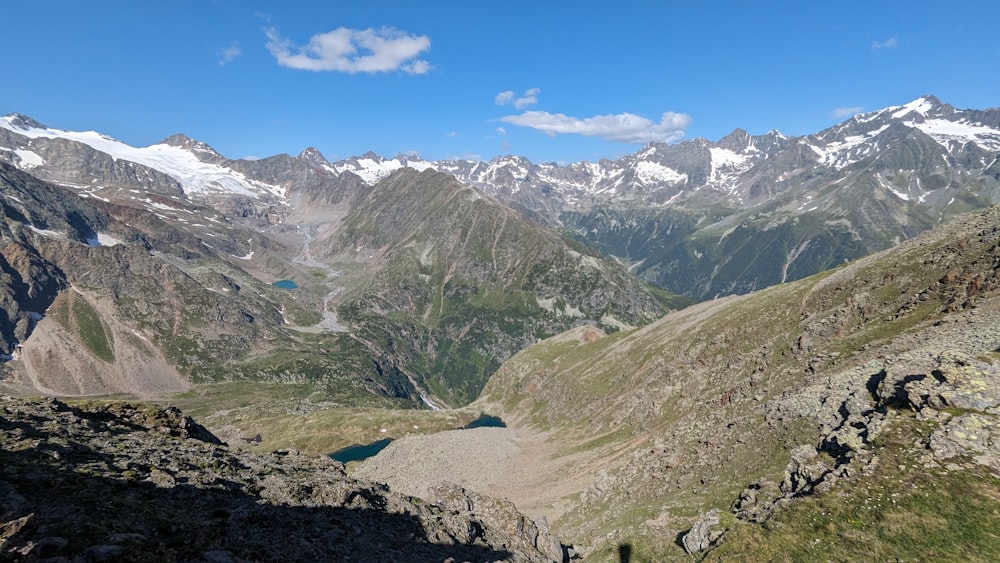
(963, 397)
(498, 521)
(100, 482)
(705, 533)
(957, 394)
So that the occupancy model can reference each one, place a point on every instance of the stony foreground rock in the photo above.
(124, 482)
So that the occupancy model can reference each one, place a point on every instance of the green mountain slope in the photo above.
(455, 282)
(744, 403)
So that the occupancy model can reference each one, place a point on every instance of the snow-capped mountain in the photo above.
(863, 184)
(740, 169)
(369, 239)
(732, 169)
(196, 168)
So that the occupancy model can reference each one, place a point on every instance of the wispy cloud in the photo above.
(353, 51)
(501, 130)
(890, 43)
(529, 98)
(841, 113)
(229, 54)
(623, 127)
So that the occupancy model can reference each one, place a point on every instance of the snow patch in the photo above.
(47, 232)
(726, 166)
(947, 132)
(29, 159)
(844, 153)
(372, 169)
(429, 404)
(654, 172)
(103, 239)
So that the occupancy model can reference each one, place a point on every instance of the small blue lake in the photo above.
(285, 284)
(359, 452)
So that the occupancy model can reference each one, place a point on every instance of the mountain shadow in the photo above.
(129, 490)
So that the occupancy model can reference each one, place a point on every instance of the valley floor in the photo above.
(517, 463)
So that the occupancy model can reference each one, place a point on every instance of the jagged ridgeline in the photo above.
(708, 218)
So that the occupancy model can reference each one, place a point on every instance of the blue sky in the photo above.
(553, 81)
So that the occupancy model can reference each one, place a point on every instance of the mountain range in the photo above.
(412, 290)
(713, 218)
(424, 276)
(693, 340)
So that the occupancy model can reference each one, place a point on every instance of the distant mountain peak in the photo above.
(202, 150)
(177, 140)
(23, 122)
(737, 140)
(313, 157)
(408, 158)
(918, 108)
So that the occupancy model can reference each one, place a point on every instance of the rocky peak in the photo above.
(23, 122)
(737, 141)
(200, 149)
(313, 157)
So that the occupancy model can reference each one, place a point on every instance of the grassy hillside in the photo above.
(685, 414)
(459, 282)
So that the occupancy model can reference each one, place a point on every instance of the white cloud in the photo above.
(504, 98)
(501, 130)
(841, 113)
(890, 43)
(529, 98)
(229, 54)
(452, 134)
(623, 127)
(353, 50)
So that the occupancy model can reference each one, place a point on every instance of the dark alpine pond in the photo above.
(358, 452)
(361, 452)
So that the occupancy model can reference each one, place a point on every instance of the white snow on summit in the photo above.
(194, 176)
(920, 105)
(372, 168)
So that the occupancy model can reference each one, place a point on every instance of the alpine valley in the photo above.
(766, 344)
